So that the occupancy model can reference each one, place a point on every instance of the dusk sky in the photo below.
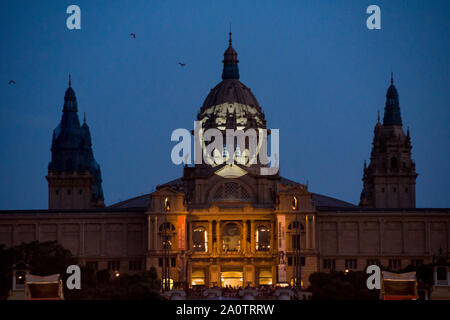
(318, 73)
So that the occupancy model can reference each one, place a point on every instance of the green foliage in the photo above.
(43, 258)
(352, 286)
(46, 258)
(341, 286)
(142, 286)
(103, 276)
(5, 273)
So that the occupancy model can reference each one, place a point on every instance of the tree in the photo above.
(43, 258)
(46, 258)
(341, 286)
(142, 286)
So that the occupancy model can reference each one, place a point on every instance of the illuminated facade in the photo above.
(228, 224)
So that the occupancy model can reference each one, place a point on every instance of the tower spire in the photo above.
(230, 61)
(392, 107)
(71, 154)
(229, 40)
(70, 100)
(391, 167)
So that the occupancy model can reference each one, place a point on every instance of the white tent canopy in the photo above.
(408, 276)
(33, 279)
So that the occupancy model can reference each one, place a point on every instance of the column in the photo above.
(149, 233)
(307, 231)
(252, 236)
(189, 274)
(244, 223)
(314, 231)
(187, 233)
(191, 230)
(218, 241)
(210, 242)
(155, 233)
(274, 274)
(272, 232)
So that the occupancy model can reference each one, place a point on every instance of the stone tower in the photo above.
(74, 177)
(390, 179)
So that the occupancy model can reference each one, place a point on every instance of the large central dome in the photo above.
(231, 104)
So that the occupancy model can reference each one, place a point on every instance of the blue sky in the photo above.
(319, 74)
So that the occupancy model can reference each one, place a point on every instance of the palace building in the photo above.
(220, 225)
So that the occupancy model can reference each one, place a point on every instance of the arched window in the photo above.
(262, 239)
(394, 163)
(200, 239)
(231, 237)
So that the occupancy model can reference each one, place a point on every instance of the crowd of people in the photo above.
(237, 292)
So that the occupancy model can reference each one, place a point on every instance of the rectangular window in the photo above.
(293, 261)
(93, 265)
(351, 264)
(135, 265)
(113, 265)
(417, 262)
(395, 264)
(373, 262)
(173, 262)
(329, 264)
(160, 262)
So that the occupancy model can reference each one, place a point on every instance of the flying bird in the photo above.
(11, 82)
(133, 35)
(181, 64)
